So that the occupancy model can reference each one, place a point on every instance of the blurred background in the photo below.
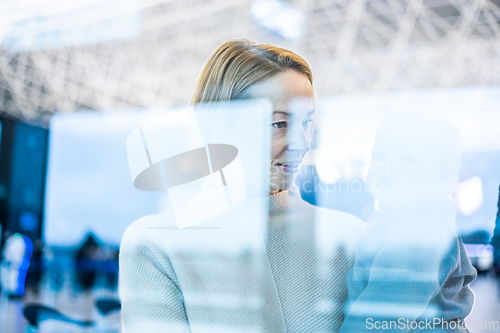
(75, 76)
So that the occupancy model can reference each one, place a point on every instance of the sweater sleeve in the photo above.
(405, 275)
(151, 298)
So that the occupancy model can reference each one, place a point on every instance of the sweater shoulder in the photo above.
(346, 220)
(338, 219)
(144, 231)
(335, 229)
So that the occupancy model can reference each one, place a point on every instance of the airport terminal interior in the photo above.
(79, 77)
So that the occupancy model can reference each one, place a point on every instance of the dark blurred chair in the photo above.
(106, 306)
(495, 241)
(37, 313)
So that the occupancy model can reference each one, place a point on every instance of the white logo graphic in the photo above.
(203, 180)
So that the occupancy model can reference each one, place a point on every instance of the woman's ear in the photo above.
(448, 180)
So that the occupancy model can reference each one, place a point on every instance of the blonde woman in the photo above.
(300, 283)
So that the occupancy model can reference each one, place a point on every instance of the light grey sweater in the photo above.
(238, 274)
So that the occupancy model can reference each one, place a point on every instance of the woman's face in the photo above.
(292, 97)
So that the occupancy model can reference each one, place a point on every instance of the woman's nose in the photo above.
(298, 139)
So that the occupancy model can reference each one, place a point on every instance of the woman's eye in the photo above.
(280, 124)
(307, 122)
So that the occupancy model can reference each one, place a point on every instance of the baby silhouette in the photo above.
(411, 271)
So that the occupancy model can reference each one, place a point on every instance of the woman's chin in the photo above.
(281, 184)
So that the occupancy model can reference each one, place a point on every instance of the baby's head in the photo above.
(416, 154)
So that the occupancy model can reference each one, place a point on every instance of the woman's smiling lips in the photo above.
(289, 167)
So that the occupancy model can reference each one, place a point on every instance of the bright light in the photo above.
(469, 196)
(45, 24)
(328, 172)
(279, 17)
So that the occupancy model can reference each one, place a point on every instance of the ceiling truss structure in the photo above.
(353, 46)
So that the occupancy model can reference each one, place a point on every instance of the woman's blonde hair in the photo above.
(238, 64)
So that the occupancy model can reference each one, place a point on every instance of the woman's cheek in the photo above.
(278, 145)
